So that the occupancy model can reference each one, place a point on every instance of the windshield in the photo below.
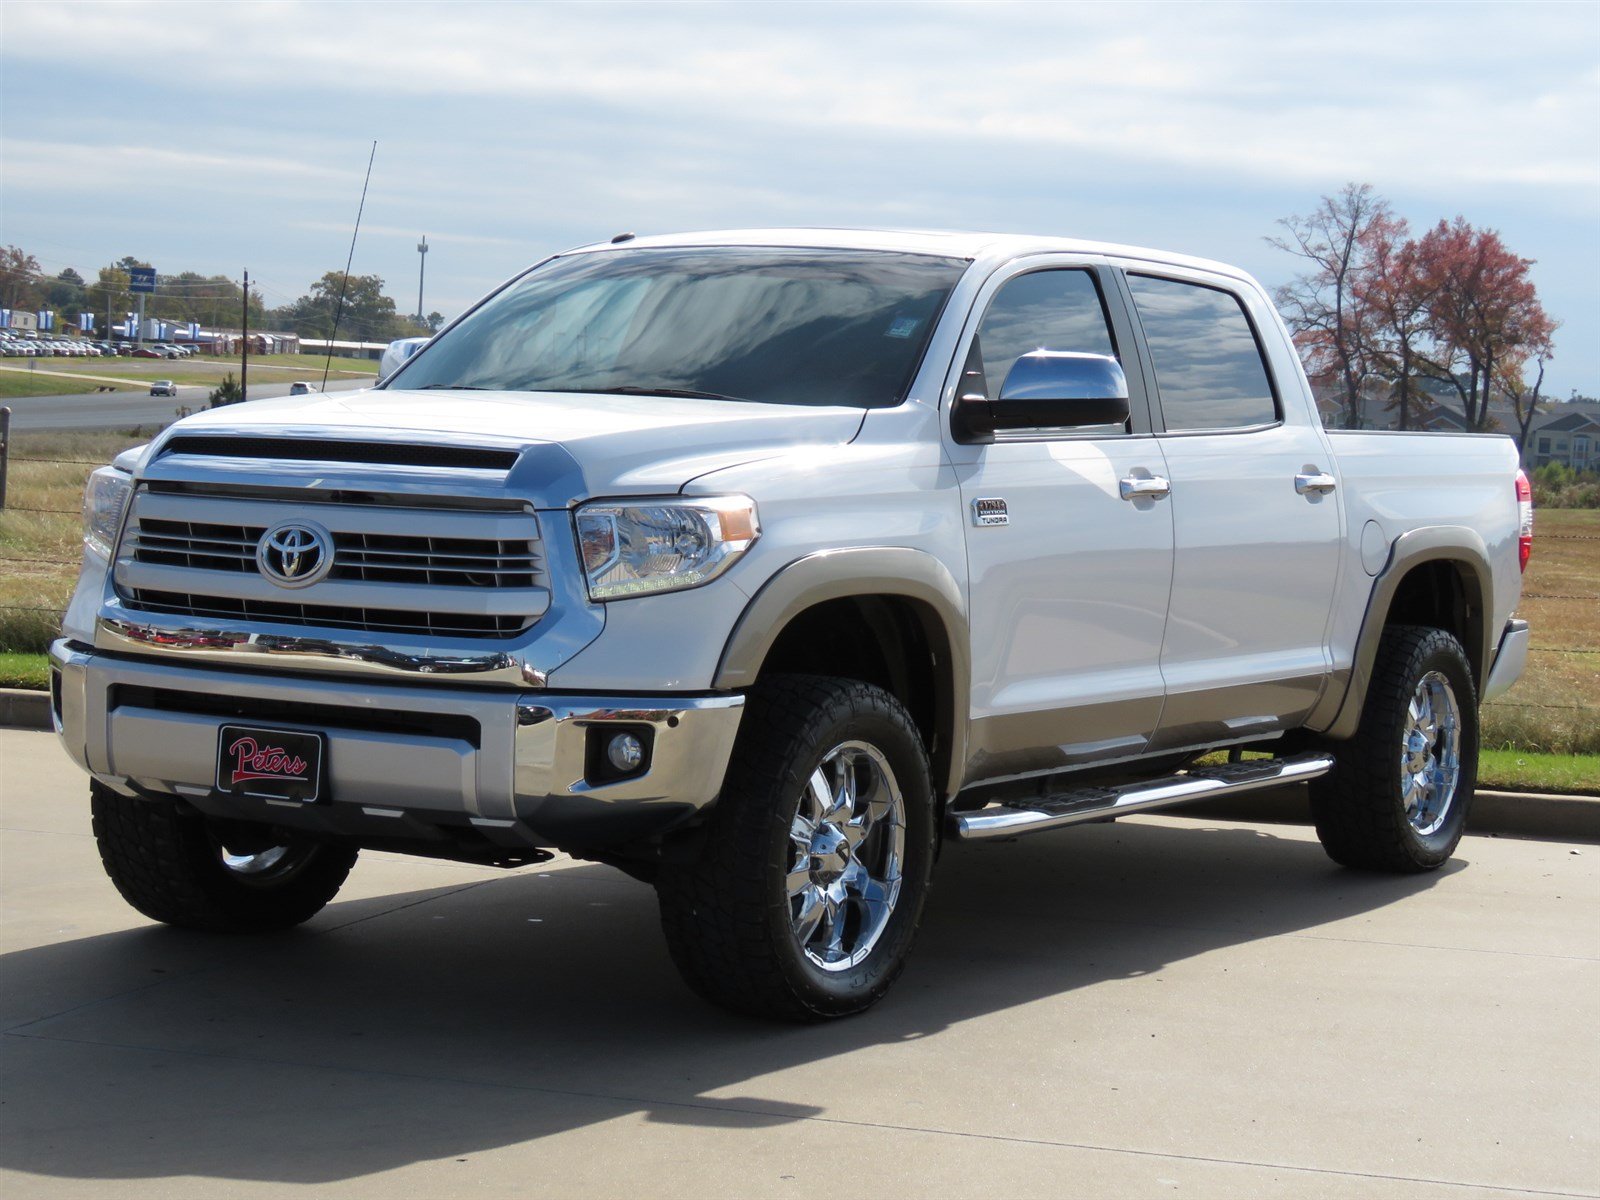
(782, 326)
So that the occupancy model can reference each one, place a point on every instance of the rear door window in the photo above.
(1208, 363)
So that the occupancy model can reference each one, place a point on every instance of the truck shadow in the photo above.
(451, 1022)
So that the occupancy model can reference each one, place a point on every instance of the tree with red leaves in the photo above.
(1378, 308)
(1485, 317)
(1396, 296)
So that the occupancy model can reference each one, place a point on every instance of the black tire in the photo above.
(169, 865)
(729, 917)
(1360, 807)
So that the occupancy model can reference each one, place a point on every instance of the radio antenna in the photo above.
(345, 282)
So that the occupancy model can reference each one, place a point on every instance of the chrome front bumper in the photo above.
(404, 762)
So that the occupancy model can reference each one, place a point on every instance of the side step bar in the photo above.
(1096, 803)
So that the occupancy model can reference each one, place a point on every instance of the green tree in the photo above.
(65, 293)
(108, 295)
(366, 314)
(215, 301)
(19, 279)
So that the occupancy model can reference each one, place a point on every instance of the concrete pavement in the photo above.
(1164, 1005)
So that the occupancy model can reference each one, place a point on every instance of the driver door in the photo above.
(1069, 581)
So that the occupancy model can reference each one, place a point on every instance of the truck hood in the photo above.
(608, 445)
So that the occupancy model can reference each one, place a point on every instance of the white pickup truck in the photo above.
(759, 564)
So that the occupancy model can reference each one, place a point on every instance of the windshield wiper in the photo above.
(671, 392)
(451, 387)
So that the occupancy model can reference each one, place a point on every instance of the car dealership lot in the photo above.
(1162, 1005)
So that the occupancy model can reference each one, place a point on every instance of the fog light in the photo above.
(625, 752)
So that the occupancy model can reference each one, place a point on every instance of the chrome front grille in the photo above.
(368, 557)
(458, 562)
(430, 571)
(368, 620)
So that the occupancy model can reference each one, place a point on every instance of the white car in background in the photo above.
(398, 353)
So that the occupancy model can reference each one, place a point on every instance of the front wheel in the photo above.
(225, 877)
(806, 897)
(1398, 797)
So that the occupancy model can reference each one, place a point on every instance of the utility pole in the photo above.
(244, 342)
(422, 270)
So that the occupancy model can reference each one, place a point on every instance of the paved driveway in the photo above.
(1161, 1006)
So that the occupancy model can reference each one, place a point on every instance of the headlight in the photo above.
(660, 545)
(103, 501)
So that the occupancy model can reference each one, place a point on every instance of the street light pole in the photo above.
(422, 270)
(244, 342)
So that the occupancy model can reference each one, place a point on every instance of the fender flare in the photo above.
(864, 571)
(1338, 713)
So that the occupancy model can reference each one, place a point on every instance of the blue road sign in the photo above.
(141, 279)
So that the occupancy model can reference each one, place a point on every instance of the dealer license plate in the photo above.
(275, 764)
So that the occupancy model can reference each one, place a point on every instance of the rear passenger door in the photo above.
(1257, 523)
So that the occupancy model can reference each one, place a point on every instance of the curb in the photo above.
(1494, 813)
(21, 708)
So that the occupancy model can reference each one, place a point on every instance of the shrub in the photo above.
(1556, 485)
(227, 392)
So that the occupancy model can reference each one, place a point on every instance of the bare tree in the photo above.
(1323, 305)
(1525, 398)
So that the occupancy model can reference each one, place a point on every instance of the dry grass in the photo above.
(41, 528)
(1555, 707)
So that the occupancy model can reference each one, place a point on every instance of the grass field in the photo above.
(29, 671)
(52, 376)
(1551, 714)
(1526, 771)
(26, 383)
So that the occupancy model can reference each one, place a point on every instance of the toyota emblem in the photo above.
(295, 553)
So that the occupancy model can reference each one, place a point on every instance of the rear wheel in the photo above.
(225, 877)
(806, 898)
(1397, 800)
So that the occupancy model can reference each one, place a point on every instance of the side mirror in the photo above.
(1049, 389)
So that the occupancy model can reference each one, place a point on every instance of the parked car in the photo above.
(163, 387)
(148, 352)
(758, 566)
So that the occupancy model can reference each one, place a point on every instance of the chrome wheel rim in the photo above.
(1430, 754)
(847, 844)
(256, 864)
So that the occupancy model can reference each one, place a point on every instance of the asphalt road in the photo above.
(1161, 1006)
(124, 410)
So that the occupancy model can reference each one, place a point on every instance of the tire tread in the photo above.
(713, 912)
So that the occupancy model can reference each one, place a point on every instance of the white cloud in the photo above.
(508, 130)
(1433, 93)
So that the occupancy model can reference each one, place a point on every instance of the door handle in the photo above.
(1134, 487)
(1319, 482)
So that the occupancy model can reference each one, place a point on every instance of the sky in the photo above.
(219, 137)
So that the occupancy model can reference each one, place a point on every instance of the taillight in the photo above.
(1524, 520)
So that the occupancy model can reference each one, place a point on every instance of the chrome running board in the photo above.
(1098, 803)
